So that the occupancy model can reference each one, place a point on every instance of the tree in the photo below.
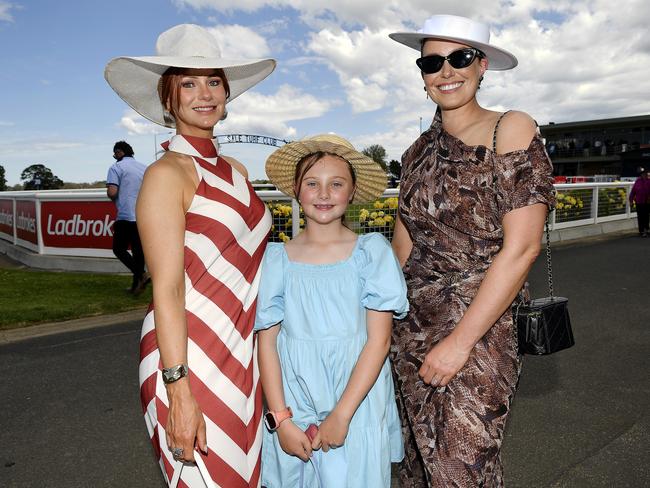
(39, 177)
(3, 180)
(395, 168)
(377, 153)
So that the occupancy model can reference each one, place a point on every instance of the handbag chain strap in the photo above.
(549, 264)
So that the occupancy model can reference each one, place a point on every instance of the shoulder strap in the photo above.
(496, 127)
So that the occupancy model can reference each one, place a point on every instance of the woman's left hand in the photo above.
(331, 432)
(442, 362)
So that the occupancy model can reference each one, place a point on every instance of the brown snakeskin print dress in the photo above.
(452, 201)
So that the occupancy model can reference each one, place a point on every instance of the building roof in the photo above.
(633, 121)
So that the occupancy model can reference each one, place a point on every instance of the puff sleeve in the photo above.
(382, 283)
(524, 178)
(270, 298)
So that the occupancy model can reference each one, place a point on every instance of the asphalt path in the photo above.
(71, 414)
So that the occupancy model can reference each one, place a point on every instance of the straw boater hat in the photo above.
(281, 165)
(462, 30)
(136, 80)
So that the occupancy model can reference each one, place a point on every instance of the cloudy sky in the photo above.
(337, 71)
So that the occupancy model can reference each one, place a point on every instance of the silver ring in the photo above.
(177, 453)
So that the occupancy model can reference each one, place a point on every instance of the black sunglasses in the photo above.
(458, 59)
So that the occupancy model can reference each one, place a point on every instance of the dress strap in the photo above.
(494, 134)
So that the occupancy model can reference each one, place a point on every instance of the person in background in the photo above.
(122, 186)
(640, 196)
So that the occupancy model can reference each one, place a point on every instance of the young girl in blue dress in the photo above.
(324, 315)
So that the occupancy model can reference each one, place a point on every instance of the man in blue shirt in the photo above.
(122, 186)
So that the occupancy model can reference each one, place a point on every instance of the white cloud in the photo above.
(29, 147)
(579, 59)
(237, 41)
(136, 124)
(5, 14)
(270, 114)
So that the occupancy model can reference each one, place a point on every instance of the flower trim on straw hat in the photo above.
(281, 165)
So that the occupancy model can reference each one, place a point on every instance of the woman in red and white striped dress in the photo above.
(204, 232)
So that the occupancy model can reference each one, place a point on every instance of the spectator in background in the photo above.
(122, 186)
(640, 195)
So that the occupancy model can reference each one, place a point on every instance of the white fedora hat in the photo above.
(136, 80)
(462, 30)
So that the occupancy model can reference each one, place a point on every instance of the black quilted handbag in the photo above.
(543, 324)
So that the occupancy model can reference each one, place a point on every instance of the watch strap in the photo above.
(276, 418)
(175, 373)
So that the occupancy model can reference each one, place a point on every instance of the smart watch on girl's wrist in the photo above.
(274, 419)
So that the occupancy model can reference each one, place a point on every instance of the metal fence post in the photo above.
(295, 218)
(594, 205)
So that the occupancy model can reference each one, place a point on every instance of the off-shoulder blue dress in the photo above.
(321, 310)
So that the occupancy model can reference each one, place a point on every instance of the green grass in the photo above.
(30, 297)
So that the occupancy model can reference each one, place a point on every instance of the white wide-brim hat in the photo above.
(371, 179)
(462, 30)
(136, 79)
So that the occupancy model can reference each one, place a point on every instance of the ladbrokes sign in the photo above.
(26, 221)
(77, 224)
(7, 219)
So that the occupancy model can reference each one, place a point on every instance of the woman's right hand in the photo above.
(293, 440)
(185, 423)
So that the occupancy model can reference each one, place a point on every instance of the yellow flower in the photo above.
(373, 215)
(378, 204)
(392, 202)
(302, 222)
(388, 218)
(364, 212)
(362, 218)
(379, 221)
(560, 205)
(560, 196)
(381, 214)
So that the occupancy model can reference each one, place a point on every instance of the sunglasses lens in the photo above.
(462, 58)
(430, 64)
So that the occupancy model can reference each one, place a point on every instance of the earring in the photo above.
(425, 89)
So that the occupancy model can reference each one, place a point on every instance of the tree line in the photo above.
(40, 177)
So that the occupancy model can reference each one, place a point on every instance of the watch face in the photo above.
(270, 421)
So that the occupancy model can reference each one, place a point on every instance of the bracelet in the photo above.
(175, 373)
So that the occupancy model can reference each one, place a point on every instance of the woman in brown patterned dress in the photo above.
(473, 201)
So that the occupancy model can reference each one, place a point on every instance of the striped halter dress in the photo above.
(226, 232)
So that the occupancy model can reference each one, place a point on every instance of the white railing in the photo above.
(79, 222)
(578, 204)
(591, 203)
